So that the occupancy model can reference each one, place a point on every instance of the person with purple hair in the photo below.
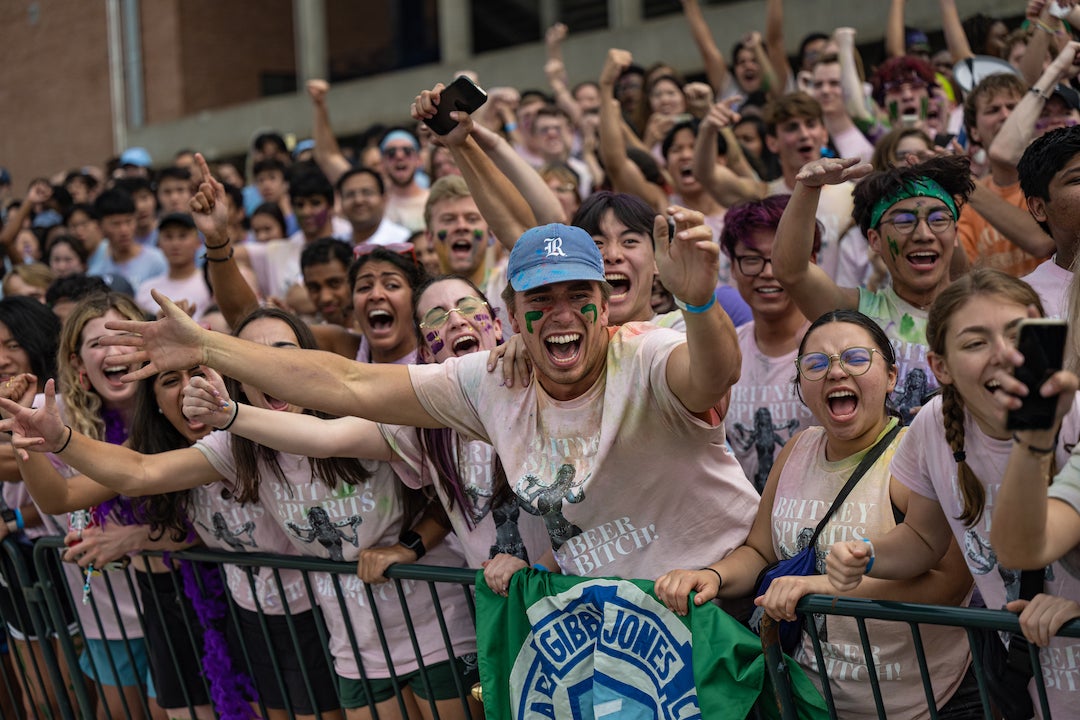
(764, 412)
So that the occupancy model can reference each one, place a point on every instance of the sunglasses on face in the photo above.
(467, 308)
(404, 151)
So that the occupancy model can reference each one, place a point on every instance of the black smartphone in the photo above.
(462, 94)
(1042, 343)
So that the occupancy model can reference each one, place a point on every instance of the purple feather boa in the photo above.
(232, 692)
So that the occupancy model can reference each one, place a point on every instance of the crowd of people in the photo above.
(626, 328)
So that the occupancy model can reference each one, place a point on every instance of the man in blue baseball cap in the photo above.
(589, 442)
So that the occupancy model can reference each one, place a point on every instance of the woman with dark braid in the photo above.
(954, 457)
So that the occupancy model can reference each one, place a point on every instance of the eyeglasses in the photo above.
(467, 308)
(905, 222)
(751, 265)
(405, 249)
(854, 361)
(404, 151)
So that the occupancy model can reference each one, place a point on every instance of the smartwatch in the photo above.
(10, 520)
(414, 542)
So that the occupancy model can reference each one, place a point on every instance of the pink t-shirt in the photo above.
(764, 412)
(925, 464)
(1051, 281)
(336, 524)
(486, 532)
(806, 489)
(630, 484)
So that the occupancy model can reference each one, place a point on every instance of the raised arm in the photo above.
(207, 400)
(774, 40)
(1030, 530)
(328, 154)
(1012, 222)
(1048, 30)
(894, 30)
(721, 181)
(209, 209)
(555, 71)
(540, 198)
(956, 39)
(38, 193)
(809, 286)
(307, 378)
(500, 203)
(700, 372)
(854, 96)
(621, 171)
(116, 467)
(1019, 129)
(716, 69)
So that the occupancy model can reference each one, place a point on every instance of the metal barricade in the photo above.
(972, 620)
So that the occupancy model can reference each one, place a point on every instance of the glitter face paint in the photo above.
(530, 317)
(434, 341)
(590, 308)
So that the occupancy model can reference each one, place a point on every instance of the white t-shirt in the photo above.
(387, 233)
(192, 288)
(764, 412)
(336, 524)
(1051, 281)
(925, 464)
(600, 468)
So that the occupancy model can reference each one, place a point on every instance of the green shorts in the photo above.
(440, 676)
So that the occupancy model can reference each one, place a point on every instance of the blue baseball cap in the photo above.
(554, 253)
(137, 156)
(303, 146)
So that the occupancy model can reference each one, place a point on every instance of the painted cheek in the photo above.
(484, 320)
(441, 234)
(590, 308)
(435, 341)
(894, 110)
(894, 249)
(924, 108)
(478, 233)
(532, 316)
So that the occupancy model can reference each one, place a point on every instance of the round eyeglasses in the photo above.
(468, 307)
(905, 223)
(854, 361)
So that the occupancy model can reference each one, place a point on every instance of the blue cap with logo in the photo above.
(554, 253)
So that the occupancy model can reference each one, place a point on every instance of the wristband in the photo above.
(541, 568)
(19, 522)
(870, 564)
(227, 258)
(718, 578)
(1032, 449)
(1041, 94)
(218, 247)
(510, 126)
(236, 412)
(66, 442)
(694, 309)
(8, 516)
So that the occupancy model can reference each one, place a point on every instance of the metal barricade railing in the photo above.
(439, 581)
(972, 620)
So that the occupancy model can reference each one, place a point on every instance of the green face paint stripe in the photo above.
(894, 248)
(530, 316)
(591, 308)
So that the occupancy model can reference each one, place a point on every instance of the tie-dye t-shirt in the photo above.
(629, 483)
(905, 326)
(924, 462)
(764, 412)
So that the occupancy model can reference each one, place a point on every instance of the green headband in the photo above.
(920, 187)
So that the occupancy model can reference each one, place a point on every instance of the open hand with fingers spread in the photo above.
(38, 429)
(689, 263)
(174, 342)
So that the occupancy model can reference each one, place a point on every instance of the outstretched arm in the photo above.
(118, 468)
(956, 39)
(810, 286)
(555, 70)
(507, 213)
(854, 97)
(700, 372)
(307, 378)
(328, 154)
(721, 181)
(207, 400)
(774, 39)
(894, 30)
(541, 199)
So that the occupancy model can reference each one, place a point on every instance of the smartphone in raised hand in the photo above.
(1042, 343)
(462, 94)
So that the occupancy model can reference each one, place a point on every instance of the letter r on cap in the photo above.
(554, 247)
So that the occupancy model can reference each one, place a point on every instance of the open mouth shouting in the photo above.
(620, 285)
(563, 349)
(842, 403)
(381, 321)
(923, 260)
(114, 373)
(465, 344)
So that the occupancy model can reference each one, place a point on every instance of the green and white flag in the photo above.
(577, 648)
